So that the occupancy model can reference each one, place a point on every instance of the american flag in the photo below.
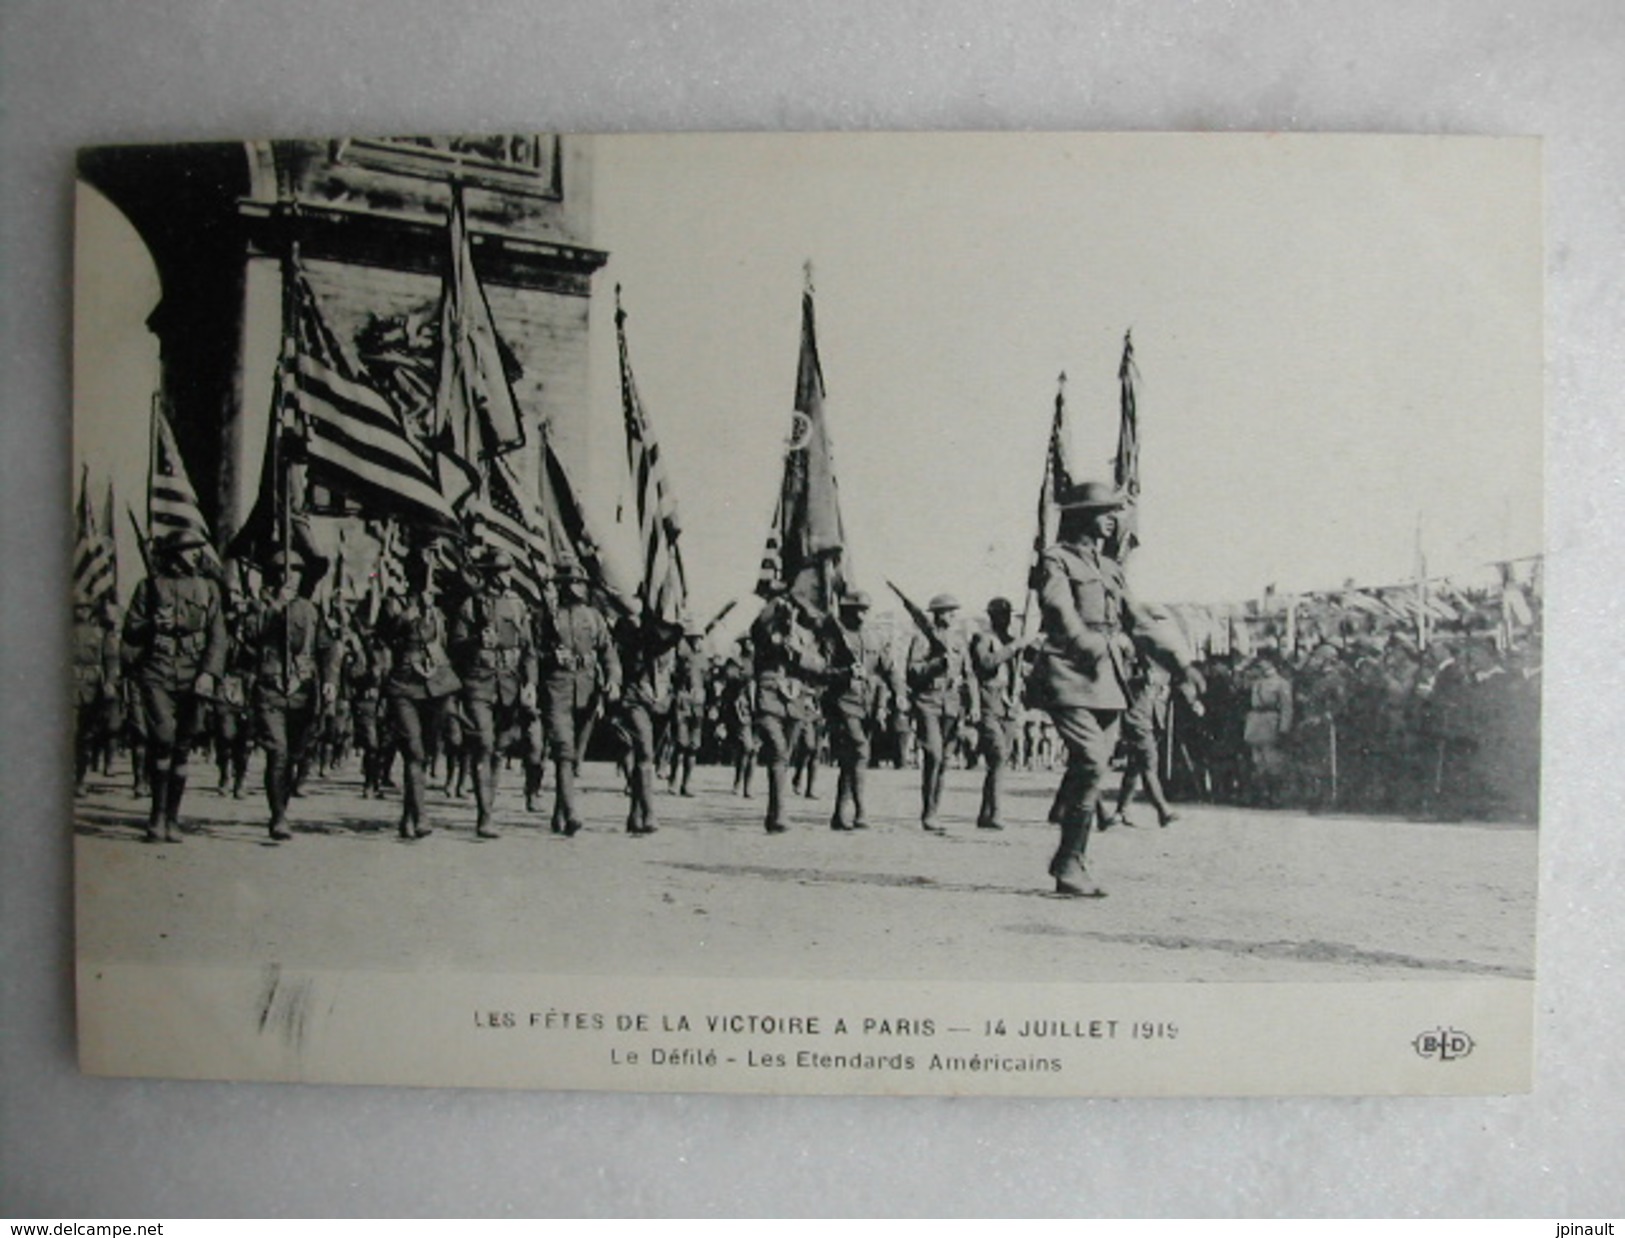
(354, 441)
(664, 590)
(504, 518)
(475, 413)
(172, 506)
(95, 561)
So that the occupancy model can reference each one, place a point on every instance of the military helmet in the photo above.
(943, 601)
(494, 559)
(1095, 496)
(1000, 605)
(567, 567)
(856, 600)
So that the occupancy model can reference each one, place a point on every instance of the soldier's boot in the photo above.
(860, 820)
(158, 779)
(838, 819)
(172, 807)
(413, 779)
(1068, 867)
(276, 791)
(484, 797)
(750, 774)
(688, 773)
(646, 791)
(566, 813)
(777, 779)
(930, 792)
(533, 784)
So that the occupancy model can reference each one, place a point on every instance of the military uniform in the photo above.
(996, 660)
(295, 664)
(420, 686)
(493, 652)
(787, 666)
(95, 691)
(174, 648)
(855, 658)
(1083, 671)
(233, 724)
(646, 701)
(943, 684)
(690, 676)
(578, 668)
(1269, 720)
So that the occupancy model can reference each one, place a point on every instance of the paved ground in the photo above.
(1222, 894)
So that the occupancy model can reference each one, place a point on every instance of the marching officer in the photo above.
(579, 671)
(788, 664)
(943, 683)
(995, 654)
(421, 682)
(855, 657)
(174, 648)
(1082, 672)
(295, 670)
(494, 654)
(95, 679)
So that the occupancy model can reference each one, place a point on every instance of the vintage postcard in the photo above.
(1003, 614)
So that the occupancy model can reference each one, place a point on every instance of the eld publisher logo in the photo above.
(1444, 1044)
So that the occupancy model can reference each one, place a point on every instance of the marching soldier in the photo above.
(1082, 671)
(856, 653)
(996, 656)
(690, 675)
(174, 648)
(1322, 694)
(579, 671)
(739, 714)
(787, 665)
(646, 704)
(295, 668)
(95, 678)
(944, 687)
(493, 653)
(233, 724)
(421, 683)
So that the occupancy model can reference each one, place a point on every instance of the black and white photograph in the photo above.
(1003, 614)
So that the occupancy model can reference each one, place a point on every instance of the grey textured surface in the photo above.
(73, 74)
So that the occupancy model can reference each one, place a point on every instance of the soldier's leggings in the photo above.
(285, 732)
(171, 722)
(937, 731)
(998, 741)
(1090, 736)
(414, 721)
(778, 736)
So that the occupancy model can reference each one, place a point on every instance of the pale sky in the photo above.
(1335, 337)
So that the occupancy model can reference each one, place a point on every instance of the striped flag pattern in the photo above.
(95, 562)
(172, 506)
(504, 518)
(354, 441)
(664, 589)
